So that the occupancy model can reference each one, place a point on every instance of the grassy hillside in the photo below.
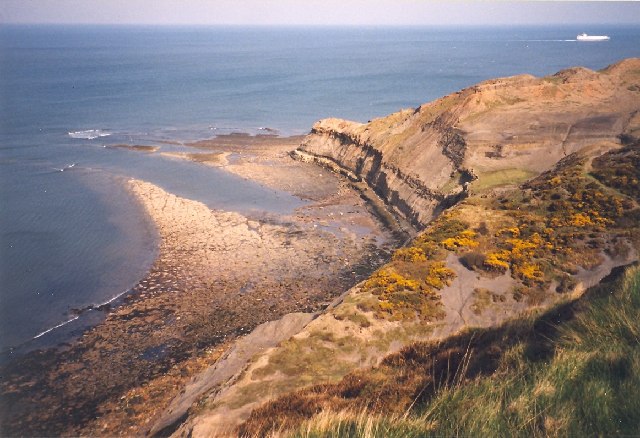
(526, 192)
(548, 235)
(573, 371)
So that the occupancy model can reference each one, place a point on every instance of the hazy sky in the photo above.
(317, 12)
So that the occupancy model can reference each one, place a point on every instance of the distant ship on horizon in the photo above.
(585, 37)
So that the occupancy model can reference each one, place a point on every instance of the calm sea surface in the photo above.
(71, 236)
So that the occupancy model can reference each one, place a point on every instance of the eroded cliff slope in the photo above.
(542, 177)
(506, 130)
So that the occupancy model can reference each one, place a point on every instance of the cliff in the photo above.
(420, 161)
(540, 182)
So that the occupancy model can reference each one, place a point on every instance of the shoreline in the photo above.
(81, 318)
(75, 314)
(217, 276)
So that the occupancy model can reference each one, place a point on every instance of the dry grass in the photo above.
(558, 221)
(572, 371)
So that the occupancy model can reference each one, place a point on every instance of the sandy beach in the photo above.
(219, 274)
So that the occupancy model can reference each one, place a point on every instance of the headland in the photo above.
(520, 193)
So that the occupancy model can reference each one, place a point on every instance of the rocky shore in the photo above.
(219, 274)
(533, 176)
(518, 214)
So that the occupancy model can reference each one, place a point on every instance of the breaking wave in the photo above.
(89, 134)
(55, 327)
(80, 312)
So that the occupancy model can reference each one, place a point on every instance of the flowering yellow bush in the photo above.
(463, 239)
(524, 248)
(439, 275)
(529, 271)
(555, 222)
(391, 281)
(407, 286)
(580, 220)
(410, 254)
(498, 260)
(514, 231)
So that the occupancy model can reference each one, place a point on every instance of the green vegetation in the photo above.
(560, 221)
(620, 169)
(310, 358)
(483, 299)
(354, 316)
(573, 371)
(407, 287)
(499, 178)
(453, 183)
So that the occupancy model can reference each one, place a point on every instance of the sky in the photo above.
(317, 12)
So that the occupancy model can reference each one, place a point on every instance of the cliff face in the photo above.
(505, 250)
(420, 160)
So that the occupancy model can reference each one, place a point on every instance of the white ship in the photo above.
(585, 37)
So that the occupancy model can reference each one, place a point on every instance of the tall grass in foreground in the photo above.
(588, 385)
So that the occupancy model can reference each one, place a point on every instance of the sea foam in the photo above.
(55, 327)
(89, 134)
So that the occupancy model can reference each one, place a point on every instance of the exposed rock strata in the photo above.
(498, 133)
(419, 161)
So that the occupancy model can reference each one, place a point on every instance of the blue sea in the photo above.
(71, 236)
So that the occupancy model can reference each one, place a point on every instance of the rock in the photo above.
(412, 158)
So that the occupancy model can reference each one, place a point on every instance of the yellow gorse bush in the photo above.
(410, 254)
(439, 275)
(498, 260)
(461, 240)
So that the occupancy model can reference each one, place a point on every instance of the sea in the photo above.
(71, 235)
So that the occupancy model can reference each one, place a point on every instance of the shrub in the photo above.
(439, 275)
(474, 260)
(567, 284)
(411, 254)
(463, 239)
(482, 229)
(497, 261)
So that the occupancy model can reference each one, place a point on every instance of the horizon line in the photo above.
(632, 24)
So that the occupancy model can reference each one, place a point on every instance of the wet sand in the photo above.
(219, 274)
